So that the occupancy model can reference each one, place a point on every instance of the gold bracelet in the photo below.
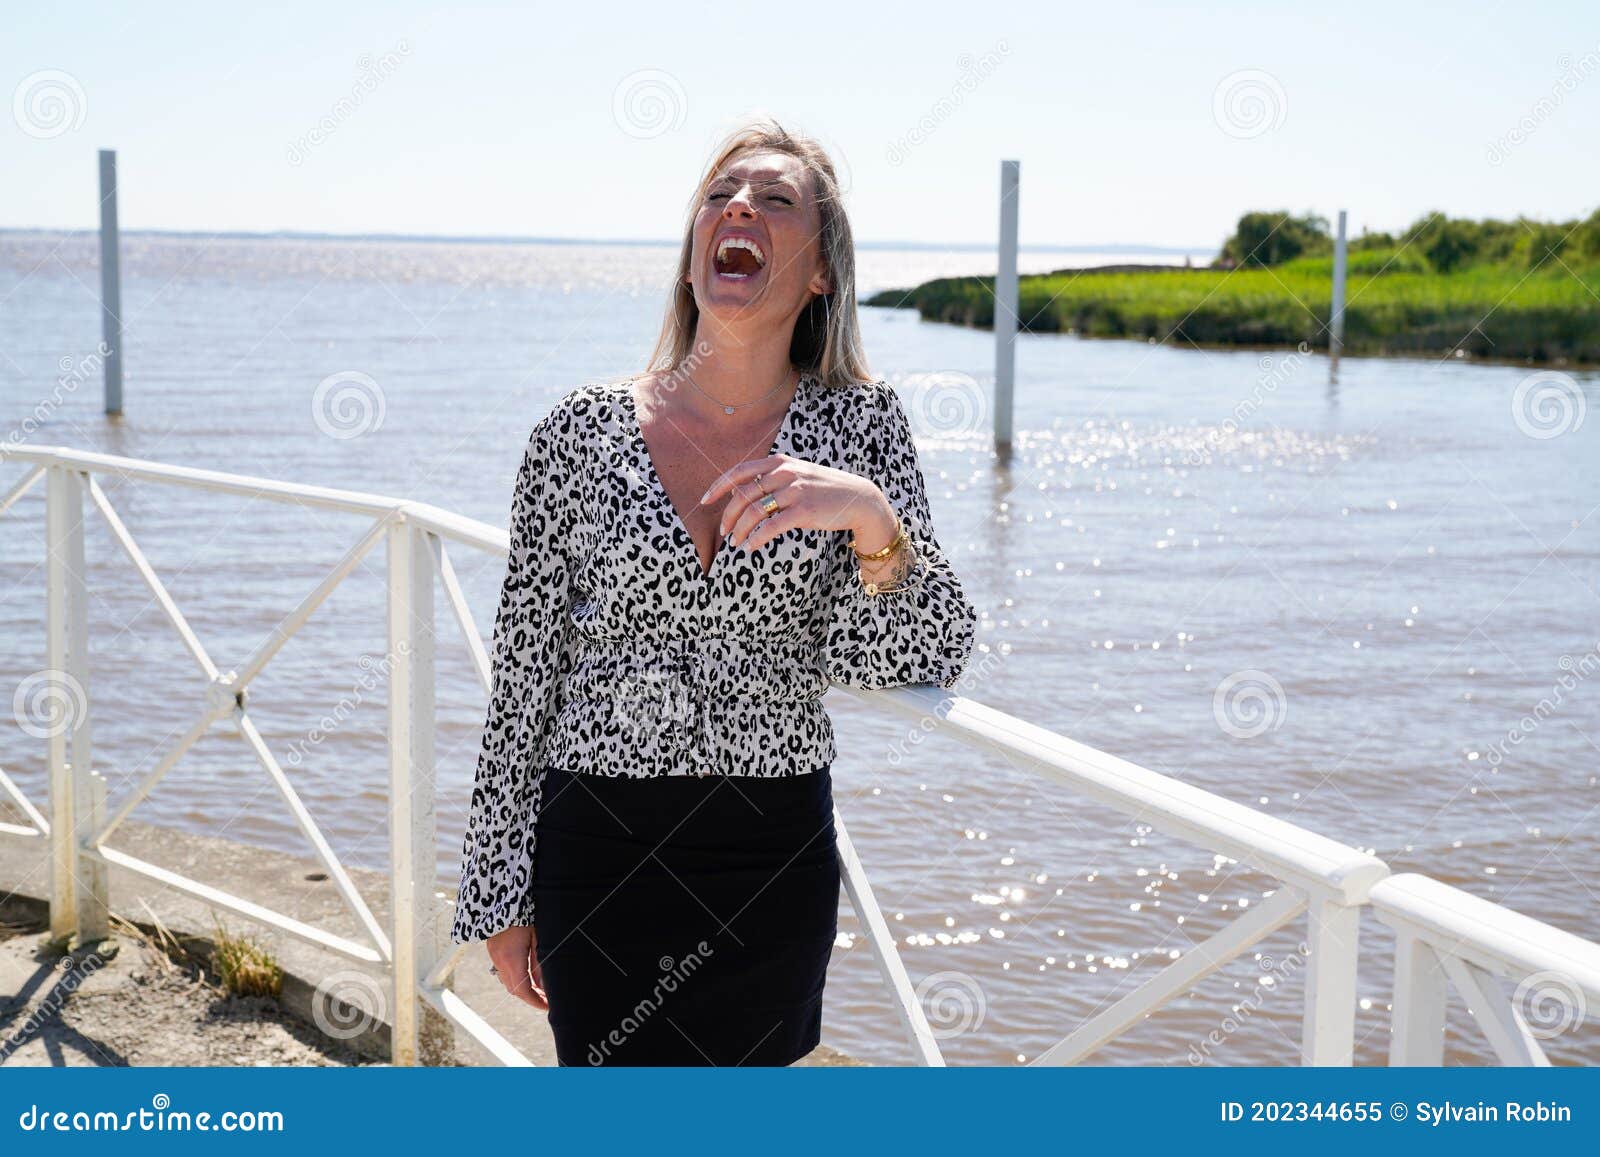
(875, 589)
(894, 544)
(906, 569)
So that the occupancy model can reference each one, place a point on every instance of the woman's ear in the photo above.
(821, 285)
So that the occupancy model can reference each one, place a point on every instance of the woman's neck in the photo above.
(735, 373)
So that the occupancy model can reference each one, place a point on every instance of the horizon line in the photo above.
(515, 239)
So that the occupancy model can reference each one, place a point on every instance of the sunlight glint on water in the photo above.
(1331, 604)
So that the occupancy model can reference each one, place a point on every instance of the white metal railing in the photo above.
(414, 947)
(1437, 928)
(1322, 879)
(1444, 934)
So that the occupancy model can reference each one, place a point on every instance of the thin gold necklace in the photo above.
(726, 408)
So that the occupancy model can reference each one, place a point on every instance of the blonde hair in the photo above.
(827, 334)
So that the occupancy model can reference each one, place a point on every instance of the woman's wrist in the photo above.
(884, 552)
(878, 529)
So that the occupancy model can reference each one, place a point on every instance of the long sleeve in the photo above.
(530, 634)
(923, 633)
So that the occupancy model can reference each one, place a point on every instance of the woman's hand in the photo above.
(810, 496)
(513, 951)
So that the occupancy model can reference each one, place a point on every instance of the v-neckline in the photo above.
(681, 528)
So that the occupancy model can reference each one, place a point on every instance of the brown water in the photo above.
(1394, 574)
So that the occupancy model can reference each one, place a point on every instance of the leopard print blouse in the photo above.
(615, 654)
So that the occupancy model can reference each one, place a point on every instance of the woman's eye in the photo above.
(779, 197)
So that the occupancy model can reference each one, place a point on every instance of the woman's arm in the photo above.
(923, 632)
(529, 635)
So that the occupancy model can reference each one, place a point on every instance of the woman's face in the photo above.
(755, 255)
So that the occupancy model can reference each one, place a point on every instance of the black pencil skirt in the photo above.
(685, 920)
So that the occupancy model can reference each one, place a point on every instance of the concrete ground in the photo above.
(138, 1008)
(130, 1004)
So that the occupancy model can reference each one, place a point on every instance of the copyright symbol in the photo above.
(1398, 1111)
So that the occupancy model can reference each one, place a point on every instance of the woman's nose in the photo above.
(739, 205)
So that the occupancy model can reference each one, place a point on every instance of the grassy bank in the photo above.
(1512, 303)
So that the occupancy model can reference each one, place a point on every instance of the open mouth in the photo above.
(739, 258)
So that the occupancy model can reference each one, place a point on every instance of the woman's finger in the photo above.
(769, 527)
(514, 953)
(538, 983)
(741, 472)
(520, 983)
(744, 498)
(744, 509)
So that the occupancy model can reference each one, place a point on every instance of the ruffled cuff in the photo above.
(921, 632)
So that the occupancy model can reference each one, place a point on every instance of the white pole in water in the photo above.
(110, 280)
(1336, 314)
(1005, 307)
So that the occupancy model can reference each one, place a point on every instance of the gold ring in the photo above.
(769, 504)
(758, 483)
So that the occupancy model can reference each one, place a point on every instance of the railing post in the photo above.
(94, 904)
(1329, 1029)
(420, 1034)
(1417, 1022)
(77, 882)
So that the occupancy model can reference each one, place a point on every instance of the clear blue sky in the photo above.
(503, 120)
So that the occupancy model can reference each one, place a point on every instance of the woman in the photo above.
(654, 783)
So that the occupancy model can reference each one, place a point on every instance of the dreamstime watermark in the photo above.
(1574, 673)
(669, 381)
(48, 103)
(1572, 75)
(73, 373)
(648, 103)
(1274, 373)
(1274, 972)
(673, 973)
(945, 402)
(1248, 104)
(370, 74)
(49, 703)
(1249, 703)
(374, 674)
(954, 1002)
(972, 676)
(160, 1117)
(1550, 1003)
(1548, 404)
(75, 970)
(348, 404)
(348, 1003)
(653, 701)
(972, 72)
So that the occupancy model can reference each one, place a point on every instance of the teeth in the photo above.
(728, 243)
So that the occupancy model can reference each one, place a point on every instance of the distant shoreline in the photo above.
(1485, 316)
